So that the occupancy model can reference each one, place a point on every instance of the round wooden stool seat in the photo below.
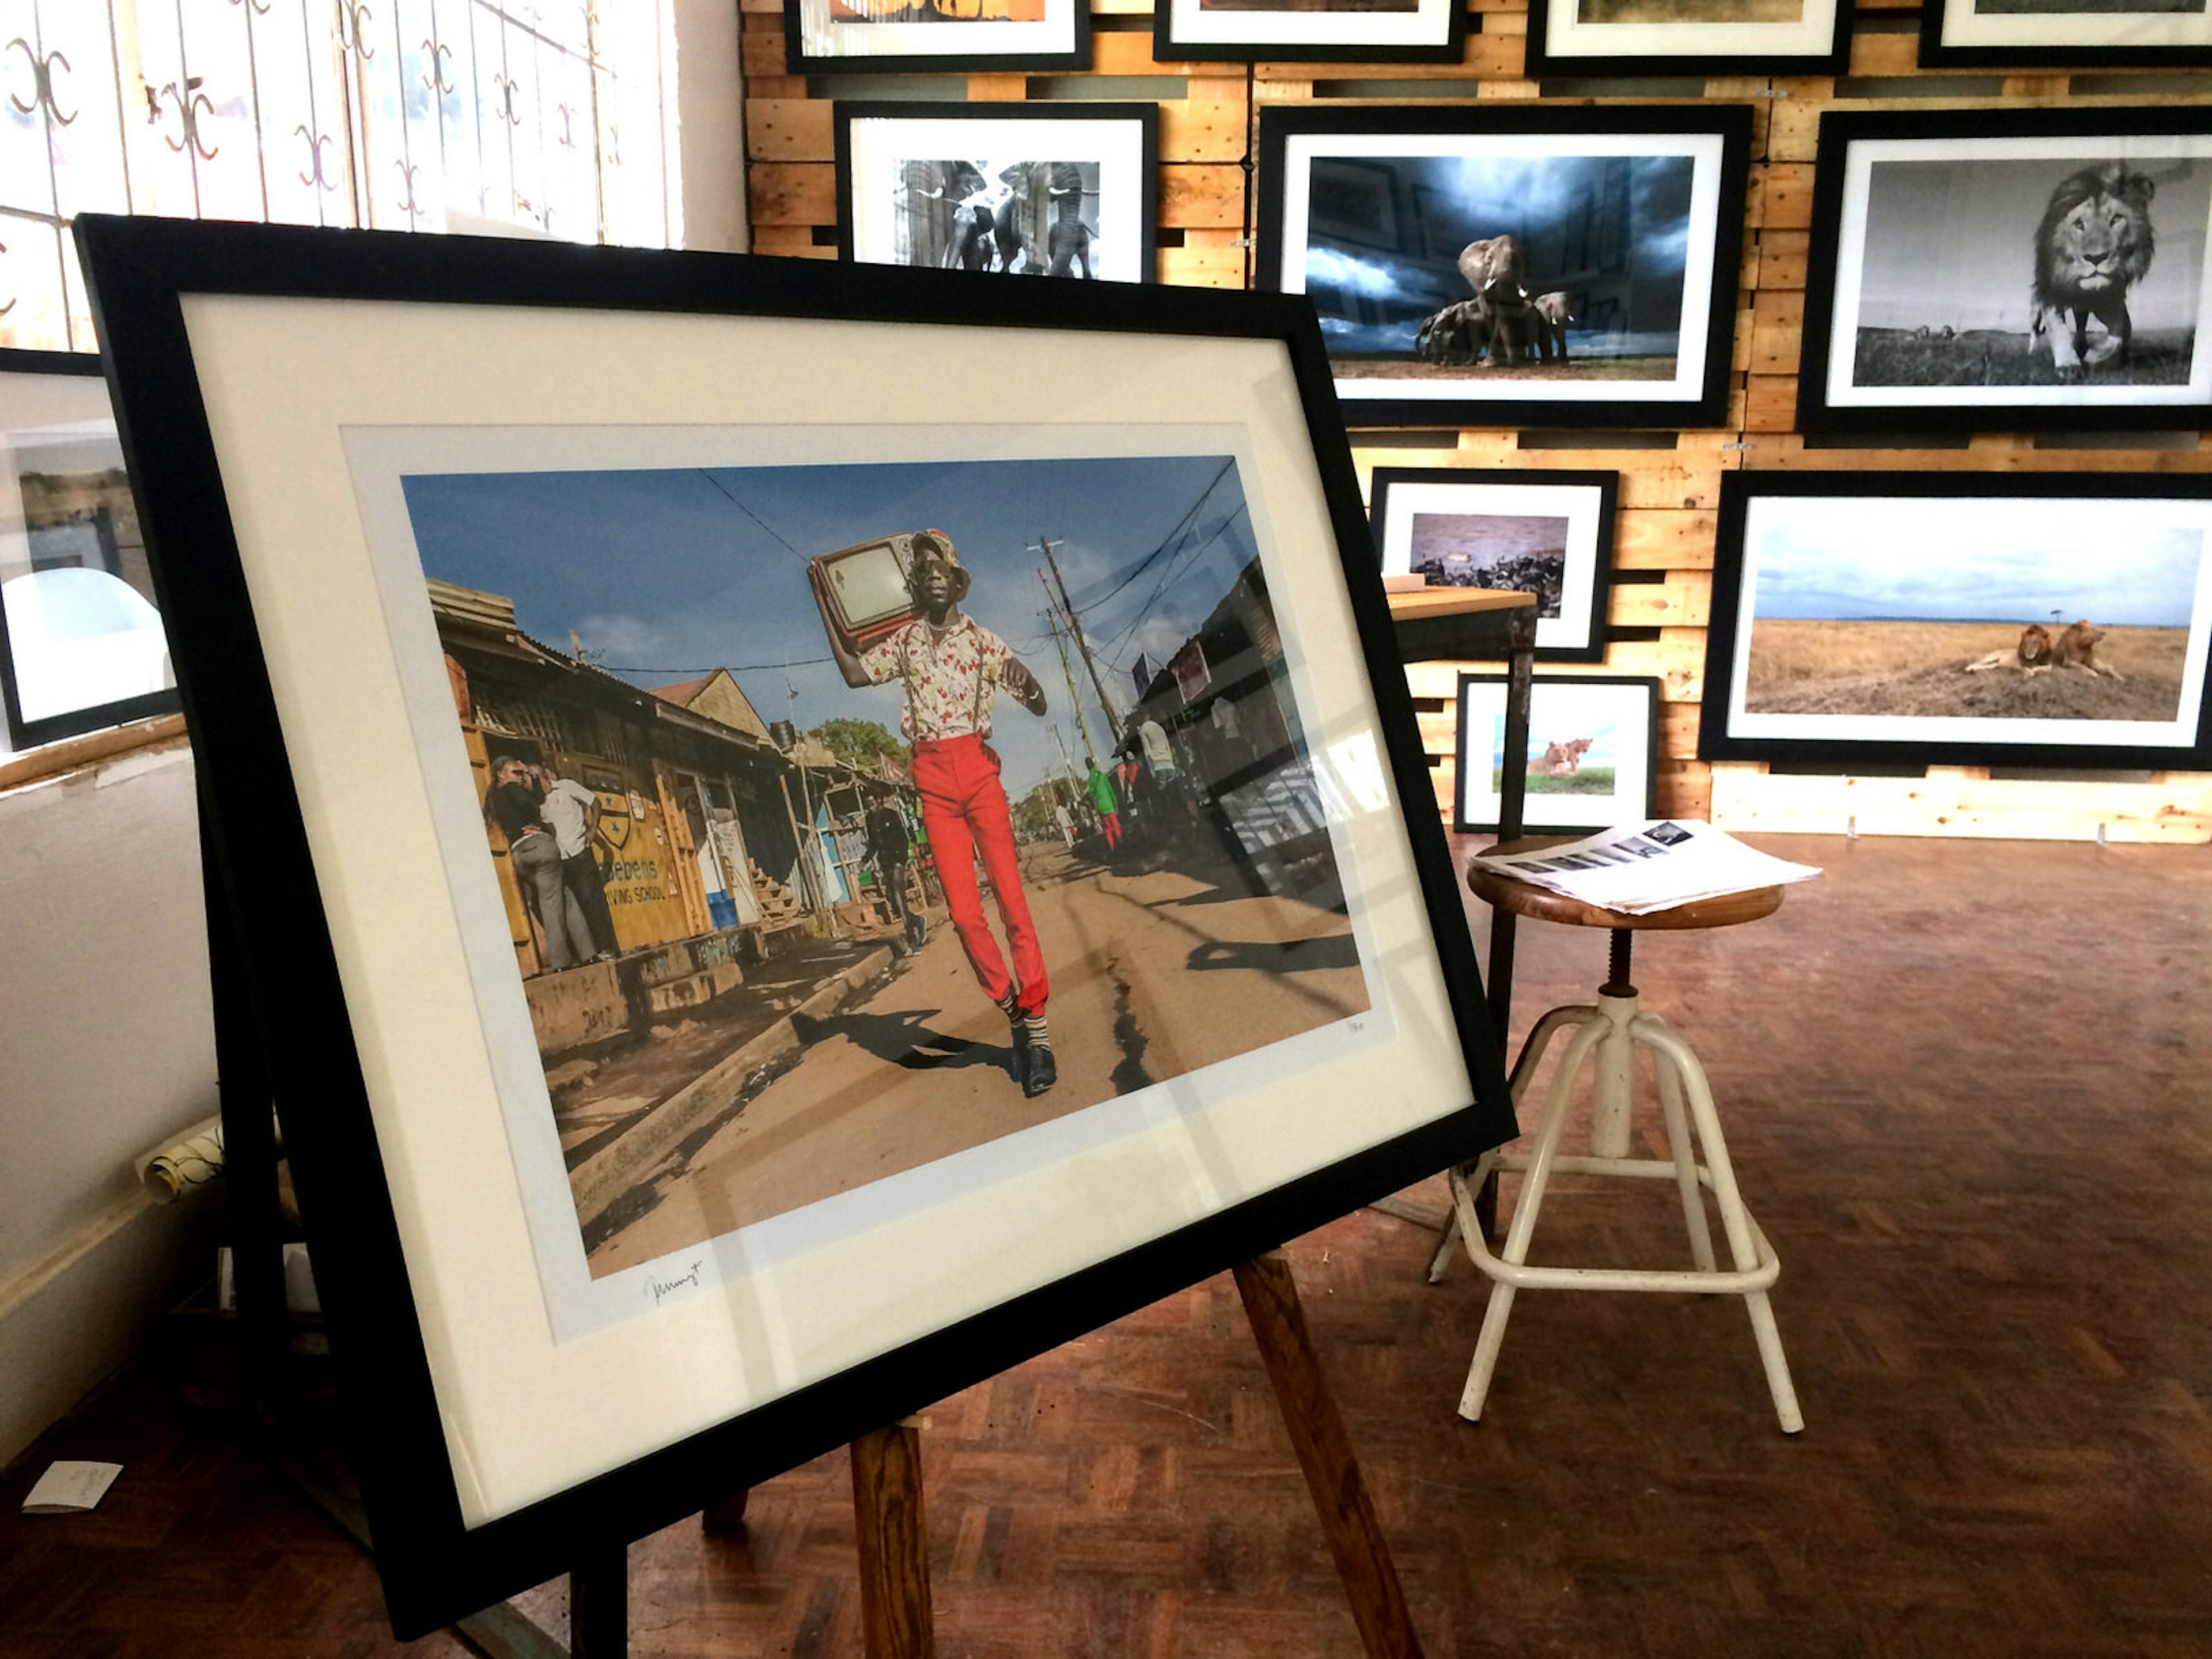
(1522, 898)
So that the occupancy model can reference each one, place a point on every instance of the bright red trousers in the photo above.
(963, 807)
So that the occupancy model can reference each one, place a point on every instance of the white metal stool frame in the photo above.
(1605, 1037)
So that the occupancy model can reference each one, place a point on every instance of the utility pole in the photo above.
(1075, 627)
(1066, 764)
(1074, 697)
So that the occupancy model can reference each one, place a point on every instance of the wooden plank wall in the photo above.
(1670, 481)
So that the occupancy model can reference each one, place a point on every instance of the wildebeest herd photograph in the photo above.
(2062, 270)
(1527, 553)
(1531, 267)
(2032, 610)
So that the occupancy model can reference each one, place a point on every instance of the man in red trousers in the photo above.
(953, 667)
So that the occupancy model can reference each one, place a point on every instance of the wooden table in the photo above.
(1484, 624)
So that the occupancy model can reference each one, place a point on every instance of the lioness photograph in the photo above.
(2026, 610)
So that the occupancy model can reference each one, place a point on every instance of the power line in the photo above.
(748, 511)
(731, 667)
(1166, 542)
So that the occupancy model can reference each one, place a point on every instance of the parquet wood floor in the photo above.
(1968, 1088)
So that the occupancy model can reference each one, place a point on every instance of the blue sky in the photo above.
(2017, 562)
(665, 575)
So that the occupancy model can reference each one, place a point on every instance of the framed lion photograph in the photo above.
(2045, 619)
(2014, 270)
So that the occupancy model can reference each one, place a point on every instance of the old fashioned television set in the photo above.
(865, 585)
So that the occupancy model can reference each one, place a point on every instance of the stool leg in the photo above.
(1733, 1222)
(1524, 1068)
(1441, 1258)
(1526, 1205)
(1680, 1149)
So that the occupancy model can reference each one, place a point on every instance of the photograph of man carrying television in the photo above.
(928, 802)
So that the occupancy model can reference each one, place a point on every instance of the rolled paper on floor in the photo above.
(193, 1159)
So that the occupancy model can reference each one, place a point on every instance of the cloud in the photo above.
(1325, 267)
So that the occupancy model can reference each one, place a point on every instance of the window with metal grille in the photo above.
(387, 115)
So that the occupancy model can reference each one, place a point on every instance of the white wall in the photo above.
(106, 1045)
(711, 125)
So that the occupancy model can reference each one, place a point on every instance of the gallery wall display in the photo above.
(1593, 752)
(2012, 270)
(2030, 619)
(1311, 31)
(1689, 37)
(2065, 34)
(1534, 530)
(81, 639)
(1067, 190)
(1528, 266)
(435, 562)
(848, 37)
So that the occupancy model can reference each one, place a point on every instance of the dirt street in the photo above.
(1152, 975)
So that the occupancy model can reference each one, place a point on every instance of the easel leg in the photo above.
(1347, 1515)
(727, 1518)
(599, 1605)
(895, 1618)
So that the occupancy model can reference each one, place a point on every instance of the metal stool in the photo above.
(1606, 1035)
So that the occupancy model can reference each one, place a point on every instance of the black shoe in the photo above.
(1040, 1072)
(1034, 1044)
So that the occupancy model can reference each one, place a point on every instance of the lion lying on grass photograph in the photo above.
(2039, 651)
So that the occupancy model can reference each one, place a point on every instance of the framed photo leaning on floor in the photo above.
(2065, 34)
(1511, 267)
(1531, 530)
(1593, 752)
(1689, 37)
(1057, 190)
(594, 654)
(2009, 269)
(1961, 619)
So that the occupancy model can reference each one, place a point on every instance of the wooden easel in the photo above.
(887, 1500)
(887, 1504)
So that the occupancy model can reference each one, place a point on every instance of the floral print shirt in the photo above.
(950, 680)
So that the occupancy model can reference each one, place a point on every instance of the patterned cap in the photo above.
(959, 573)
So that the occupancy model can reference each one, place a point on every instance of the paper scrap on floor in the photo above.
(70, 1488)
(1655, 865)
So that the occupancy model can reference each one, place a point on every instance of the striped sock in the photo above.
(1034, 1031)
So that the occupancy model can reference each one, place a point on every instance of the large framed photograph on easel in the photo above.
(538, 614)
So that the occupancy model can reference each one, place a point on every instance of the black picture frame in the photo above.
(1393, 144)
(1130, 156)
(1818, 46)
(1966, 333)
(1950, 556)
(1434, 32)
(941, 45)
(1578, 626)
(2087, 40)
(250, 657)
(29, 725)
(1634, 777)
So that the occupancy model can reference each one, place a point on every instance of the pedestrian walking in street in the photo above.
(952, 668)
(1101, 797)
(892, 848)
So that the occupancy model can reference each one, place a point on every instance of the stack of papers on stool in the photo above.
(1654, 866)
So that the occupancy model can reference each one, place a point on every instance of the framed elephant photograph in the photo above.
(1961, 619)
(2065, 34)
(1530, 266)
(1067, 190)
(2017, 269)
(922, 37)
(1531, 530)
(1593, 752)
(1688, 37)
